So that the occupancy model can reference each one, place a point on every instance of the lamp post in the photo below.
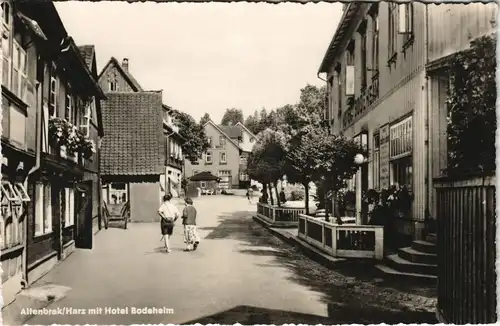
(359, 159)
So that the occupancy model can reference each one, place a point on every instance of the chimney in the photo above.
(125, 64)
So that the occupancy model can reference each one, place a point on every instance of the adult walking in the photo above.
(169, 214)
(189, 214)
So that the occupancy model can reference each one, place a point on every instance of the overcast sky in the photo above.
(212, 56)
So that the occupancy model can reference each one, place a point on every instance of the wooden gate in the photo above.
(84, 234)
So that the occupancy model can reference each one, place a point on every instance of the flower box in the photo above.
(70, 140)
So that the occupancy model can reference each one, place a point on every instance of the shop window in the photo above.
(43, 209)
(402, 172)
(69, 207)
(401, 145)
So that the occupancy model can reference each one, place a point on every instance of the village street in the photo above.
(240, 273)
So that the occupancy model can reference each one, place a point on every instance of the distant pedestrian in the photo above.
(169, 214)
(282, 196)
(189, 213)
(249, 195)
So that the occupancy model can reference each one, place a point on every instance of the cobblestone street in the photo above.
(240, 273)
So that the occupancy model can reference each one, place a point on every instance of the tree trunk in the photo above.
(306, 191)
(265, 198)
(277, 194)
(270, 194)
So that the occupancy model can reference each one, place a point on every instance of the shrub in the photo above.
(297, 195)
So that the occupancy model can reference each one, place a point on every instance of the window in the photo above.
(339, 90)
(112, 82)
(11, 229)
(400, 148)
(349, 72)
(223, 158)
(401, 138)
(209, 140)
(86, 118)
(69, 108)
(208, 158)
(19, 71)
(243, 176)
(6, 13)
(203, 184)
(376, 161)
(401, 172)
(222, 140)
(252, 139)
(69, 207)
(243, 160)
(375, 43)
(43, 209)
(6, 18)
(21, 192)
(53, 95)
(406, 21)
(392, 28)
(224, 173)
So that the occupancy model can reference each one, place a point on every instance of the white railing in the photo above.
(345, 241)
(285, 216)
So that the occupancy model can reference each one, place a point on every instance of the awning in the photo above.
(33, 25)
(204, 176)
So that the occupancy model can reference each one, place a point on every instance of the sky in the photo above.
(207, 57)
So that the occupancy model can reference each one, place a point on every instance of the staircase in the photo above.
(417, 261)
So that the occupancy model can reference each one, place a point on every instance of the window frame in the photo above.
(53, 88)
(20, 67)
(45, 205)
(392, 31)
(207, 155)
(10, 198)
(223, 161)
(222, 140)
(209, 141)
(69, 207)
(21, 191)
(87, 118)
(6, 40)
(350, 70)
(405, 24)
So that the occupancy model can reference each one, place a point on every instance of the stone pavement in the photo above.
(240, 273)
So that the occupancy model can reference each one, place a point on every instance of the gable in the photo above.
(212, 130)
(114, 71)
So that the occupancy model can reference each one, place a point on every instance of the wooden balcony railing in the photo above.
(346, 241)
(466, 250)
(356, 107)
(279, 216)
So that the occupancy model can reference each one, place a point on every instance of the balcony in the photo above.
(356, 107)
(167, 120)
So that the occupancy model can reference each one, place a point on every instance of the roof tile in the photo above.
(133, 143)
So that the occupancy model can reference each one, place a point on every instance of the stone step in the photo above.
(392, 272)
(432, 238)
(407, 266)
(424, 246)
(416, 256)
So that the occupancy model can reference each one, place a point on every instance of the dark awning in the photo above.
(204, 176)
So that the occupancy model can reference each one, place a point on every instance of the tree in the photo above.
(472, 119)
(252, 122)
(194, 134)
(232, 117)
(303, 157)
(311, 106)
(266, 162)
(335, 162)
(204, 119)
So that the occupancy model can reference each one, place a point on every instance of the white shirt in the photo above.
(168, 210)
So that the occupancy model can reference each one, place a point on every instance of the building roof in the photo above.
(87, 53)
(223, 133)
(234, 132)
(127, 75)
(133, 143)
(241, 125)
(332, 52)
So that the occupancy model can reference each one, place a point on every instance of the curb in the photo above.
(311, 252)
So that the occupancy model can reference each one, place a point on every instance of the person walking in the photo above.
(189, 214)
(169, 214)
(248, 195)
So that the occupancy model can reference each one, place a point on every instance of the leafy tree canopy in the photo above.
(204, 119)
(194, 134)
(472, 109)
(232, 117)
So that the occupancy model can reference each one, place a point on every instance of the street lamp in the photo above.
(359, 159)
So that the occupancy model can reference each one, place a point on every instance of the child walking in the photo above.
(189, 213)
(169, 214)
